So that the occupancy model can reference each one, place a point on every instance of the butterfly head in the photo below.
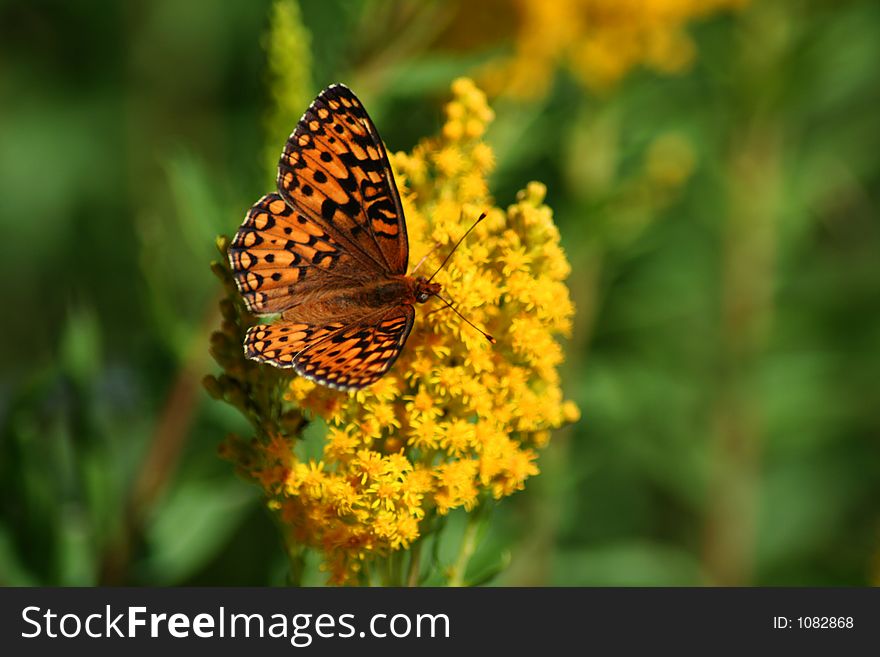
(425, 289)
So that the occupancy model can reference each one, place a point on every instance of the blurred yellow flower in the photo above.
(670, 160)
(600, 41)
(457, 418)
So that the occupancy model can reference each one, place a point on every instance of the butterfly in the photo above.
(329, 253)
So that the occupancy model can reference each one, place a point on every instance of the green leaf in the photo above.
(636, 563)
(192, 525)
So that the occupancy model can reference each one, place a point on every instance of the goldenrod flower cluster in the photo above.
(457, 419)
(599, 40)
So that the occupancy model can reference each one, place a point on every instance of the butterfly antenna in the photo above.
(455, 310)
(449, 255)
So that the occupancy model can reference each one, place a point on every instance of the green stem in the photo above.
(756, 192)
(466, 550)
(384, 570)
(297, 567)
(415, 559)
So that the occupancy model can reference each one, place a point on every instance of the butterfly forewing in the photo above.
(279, 255)
(335, 167)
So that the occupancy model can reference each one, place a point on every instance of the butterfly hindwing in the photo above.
(335, 168)
(278, 344)
(345, 356)
(278, 255)
(358, 354)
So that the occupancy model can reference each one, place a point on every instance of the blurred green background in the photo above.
(721, 220)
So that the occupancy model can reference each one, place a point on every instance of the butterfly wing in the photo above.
(335, 169)
(278, 344)
(360, 353)
(280, 255)
(344, 356)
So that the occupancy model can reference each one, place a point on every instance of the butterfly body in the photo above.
(362, 300)
(329, 253)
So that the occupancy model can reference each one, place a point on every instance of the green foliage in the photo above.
(289, 60)
(726, 351)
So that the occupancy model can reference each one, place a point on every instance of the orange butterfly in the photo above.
(329, 252)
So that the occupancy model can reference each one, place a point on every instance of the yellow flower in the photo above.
(406, 531)
(369, 465)
(449, 161)
(341, 444)
(459, 438)
(424, 434)
(456, 485)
